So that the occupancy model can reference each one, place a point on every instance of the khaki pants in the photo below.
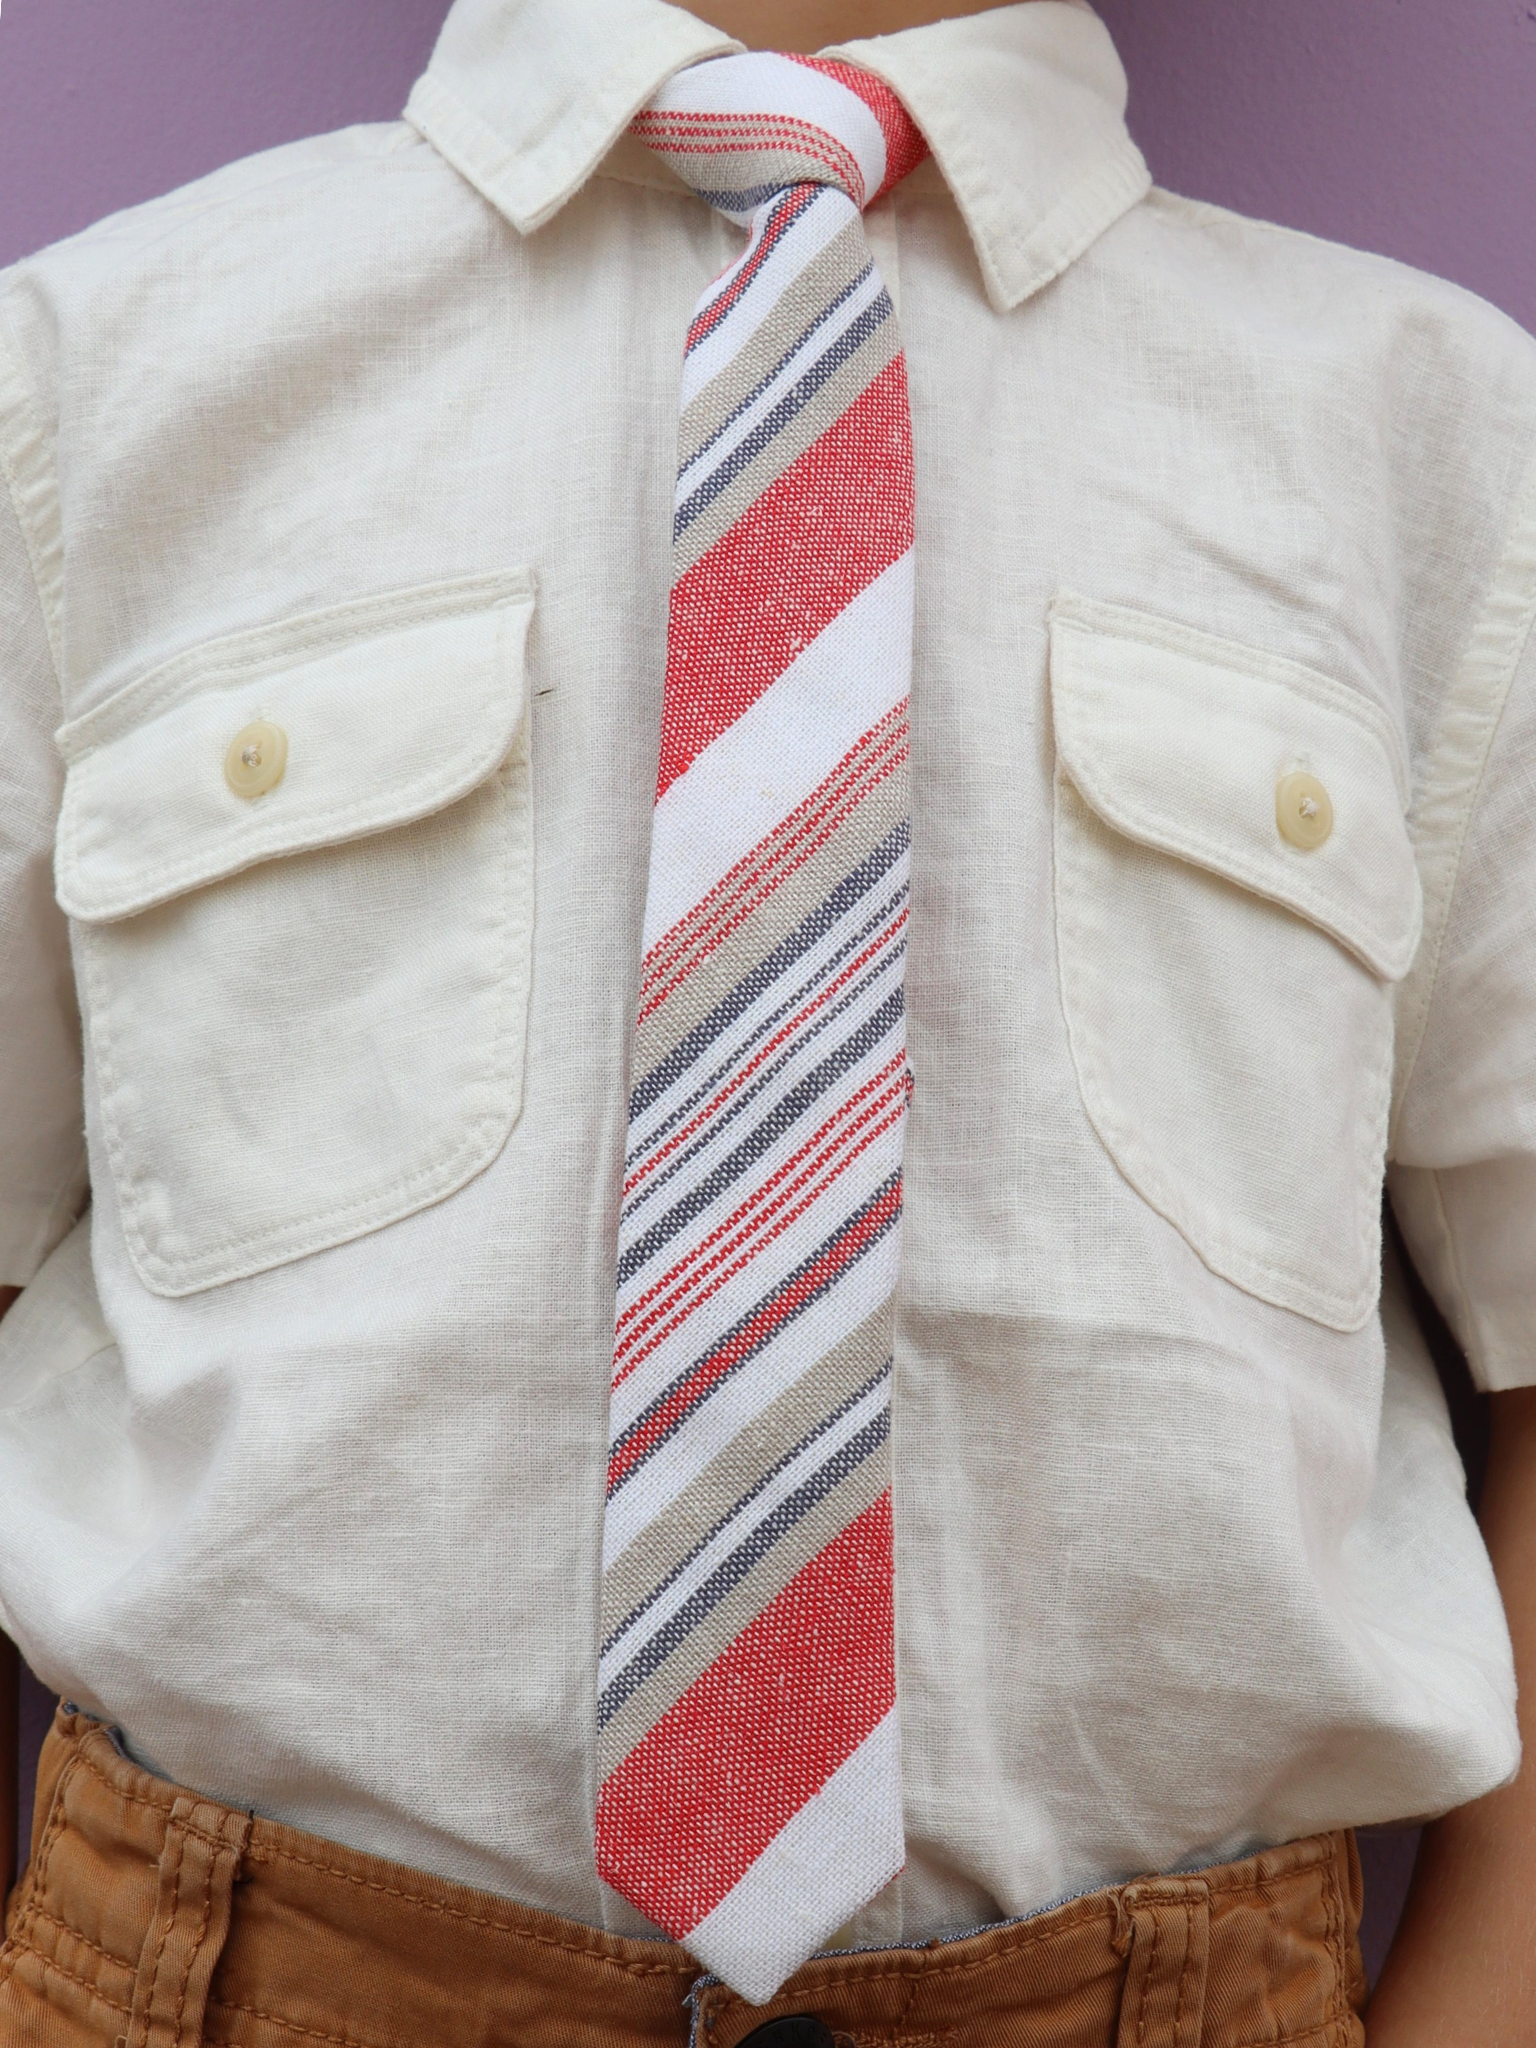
(150, 1918)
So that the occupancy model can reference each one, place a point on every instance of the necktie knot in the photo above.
(741, 130)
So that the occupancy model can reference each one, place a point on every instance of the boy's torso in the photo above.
(314, 1507)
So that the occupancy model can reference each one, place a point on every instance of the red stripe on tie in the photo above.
(837, 518)
(745, 135)
(783, 852)
(763, 1217)
(849, 1245)
(889, 1109)
(740, 1076)
(682, 1820)
(904, 144)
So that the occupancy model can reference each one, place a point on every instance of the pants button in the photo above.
(797, 2030)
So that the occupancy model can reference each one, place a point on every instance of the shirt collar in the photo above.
(1023, 108)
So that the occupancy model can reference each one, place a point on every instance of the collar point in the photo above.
(528, 137)
(1014, 270)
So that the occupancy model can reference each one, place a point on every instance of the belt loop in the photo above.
(1162, 2002)
(198, 1867)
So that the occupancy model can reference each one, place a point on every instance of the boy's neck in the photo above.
(808, 25)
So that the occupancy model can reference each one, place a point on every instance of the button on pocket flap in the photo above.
(296, 736)
(1251, 766)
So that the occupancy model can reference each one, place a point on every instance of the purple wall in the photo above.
(1400, 125)
(1407, 126)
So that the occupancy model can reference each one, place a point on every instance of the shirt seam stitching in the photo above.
(1469, 723)
(22, 442)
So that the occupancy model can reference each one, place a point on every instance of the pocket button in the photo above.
(1303, 810)
(256, 758)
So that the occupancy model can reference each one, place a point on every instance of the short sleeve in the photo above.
(42, 1146)
(1463, 1179)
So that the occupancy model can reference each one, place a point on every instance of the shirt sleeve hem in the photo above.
(1507, 1369)
(1500, 1342)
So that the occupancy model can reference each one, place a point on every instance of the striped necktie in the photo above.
(747, 1746)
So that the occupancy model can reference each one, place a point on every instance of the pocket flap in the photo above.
(1179, 741)
(393, 707)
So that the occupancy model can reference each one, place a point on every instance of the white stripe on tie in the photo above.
(847, 1836)
(781, 750)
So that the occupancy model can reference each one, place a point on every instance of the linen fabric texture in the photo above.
(748, 1742)
(303, 1431)
(155, 1918)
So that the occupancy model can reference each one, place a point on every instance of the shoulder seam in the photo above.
(1443, 808)
(33, 493)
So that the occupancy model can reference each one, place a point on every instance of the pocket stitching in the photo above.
(1087, 621)
(423, 798)
(288, 640)
(433, 792)
(1124, 1144)
(1145, 629)
(432, 1181)
(1236, 867)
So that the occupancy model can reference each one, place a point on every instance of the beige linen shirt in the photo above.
(302, 1429)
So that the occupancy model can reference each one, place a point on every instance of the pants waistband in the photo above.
(149, 1917)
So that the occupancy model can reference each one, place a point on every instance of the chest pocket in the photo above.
(1235, 895)
(300, 865)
